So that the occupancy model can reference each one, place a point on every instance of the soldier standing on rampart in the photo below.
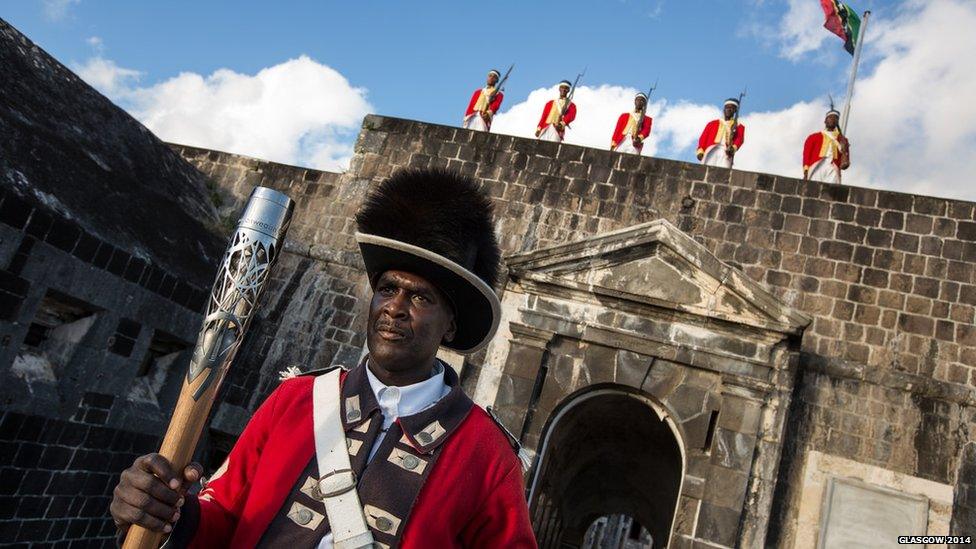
(633, 128)
(722, 138)
(557, 115)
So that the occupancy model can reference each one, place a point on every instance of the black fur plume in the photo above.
(438, 210)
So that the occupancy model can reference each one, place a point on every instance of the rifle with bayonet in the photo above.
(843, 144)
(499, 87)
(569, 98)
(729, 146)
(640, 116)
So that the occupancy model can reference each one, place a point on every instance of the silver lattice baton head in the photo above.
(267, 211)
(243, 273)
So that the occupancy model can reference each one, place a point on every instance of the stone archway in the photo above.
(605, 451)
(650, 311)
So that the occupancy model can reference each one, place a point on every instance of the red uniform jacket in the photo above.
(495, 104)
(707, 138)
(567, 118)
(470, 494)
(813, 147)
(622, 121)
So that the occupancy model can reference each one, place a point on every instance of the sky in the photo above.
(292, 83)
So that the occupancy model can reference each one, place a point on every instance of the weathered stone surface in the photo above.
(733, 450)
(108, 244)
(67, 148)
(718, 525)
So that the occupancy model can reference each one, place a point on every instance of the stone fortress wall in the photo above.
(107, 245)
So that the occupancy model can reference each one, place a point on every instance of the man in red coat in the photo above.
(484, 104)
(827, 152)
(427, 468)
(553, 123)
(630, 133)
(717, 145)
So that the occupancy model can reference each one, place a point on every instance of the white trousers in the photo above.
(626, 145)
(550, 134)
(475, 122)
(824, 171)
(715, 156)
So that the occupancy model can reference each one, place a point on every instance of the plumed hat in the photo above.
(437, 224)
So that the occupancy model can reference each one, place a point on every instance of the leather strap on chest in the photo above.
(337, 481)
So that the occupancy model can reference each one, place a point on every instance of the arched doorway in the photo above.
(607, 451)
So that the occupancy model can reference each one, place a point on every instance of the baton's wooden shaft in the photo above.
(180, 441)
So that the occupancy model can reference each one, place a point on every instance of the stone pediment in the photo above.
(656, 264)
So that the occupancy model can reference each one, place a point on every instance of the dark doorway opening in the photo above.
(606, 453)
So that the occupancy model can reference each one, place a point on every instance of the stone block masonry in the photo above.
(57, 477)
(889, 277)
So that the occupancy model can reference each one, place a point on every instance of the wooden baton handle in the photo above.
(178, 445)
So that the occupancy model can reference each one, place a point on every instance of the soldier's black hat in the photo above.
(437, 224)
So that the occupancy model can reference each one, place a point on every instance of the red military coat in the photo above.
(710, 133)
(815, 148)
(468, 491)
(622, 121)
(496, 102)
(567, 118)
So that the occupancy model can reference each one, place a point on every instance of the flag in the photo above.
(842, 21)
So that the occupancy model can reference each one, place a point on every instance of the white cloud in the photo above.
(801, 29)
(679, 125)
(57, 10)
(912, 122)
(96, 43)
(913, 117)
(297, 112)
(106, 76)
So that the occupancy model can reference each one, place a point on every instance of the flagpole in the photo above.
(857, 59)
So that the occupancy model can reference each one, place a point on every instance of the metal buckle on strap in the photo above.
(337, 483)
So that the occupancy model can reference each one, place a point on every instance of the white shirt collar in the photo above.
(408, 399)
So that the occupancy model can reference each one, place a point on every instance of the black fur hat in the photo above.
(438, 224)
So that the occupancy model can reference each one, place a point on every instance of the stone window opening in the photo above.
(161, 346)
(123, 342)
(164, 353)
(710, 433)
(53, 336)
